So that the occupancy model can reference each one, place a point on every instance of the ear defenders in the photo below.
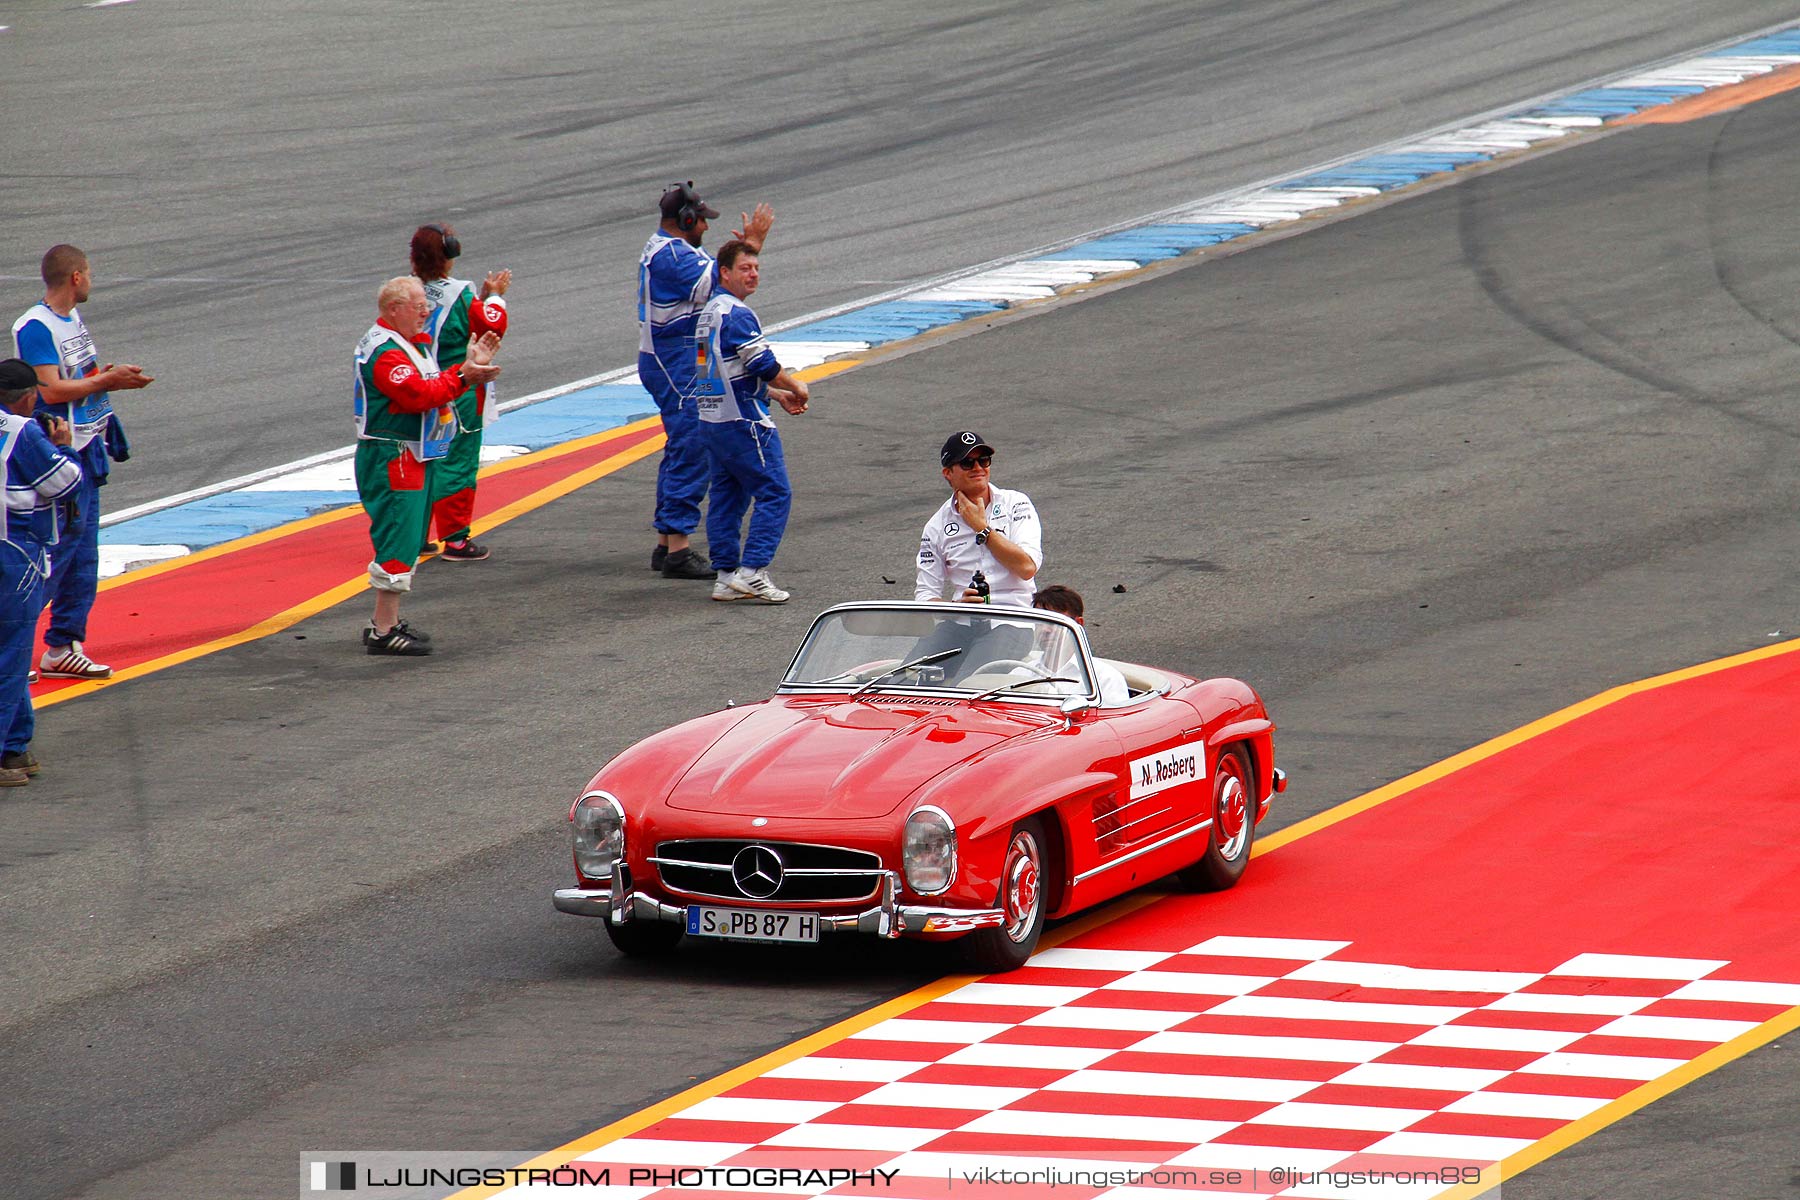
(688, 215)
(452, 247)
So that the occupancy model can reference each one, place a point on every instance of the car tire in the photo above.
(1022, 892)
(644, 939)
(1233, 829)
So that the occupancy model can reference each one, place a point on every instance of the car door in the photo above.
(1162, 773)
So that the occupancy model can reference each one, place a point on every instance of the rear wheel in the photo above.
(1233, 828)
(1022, 882)
(644, 939)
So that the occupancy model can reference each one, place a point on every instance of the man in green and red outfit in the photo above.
(460, 312)
(405, 420)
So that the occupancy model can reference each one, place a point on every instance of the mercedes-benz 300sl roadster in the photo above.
(925, 770)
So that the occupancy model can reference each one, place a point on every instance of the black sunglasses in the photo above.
(976, 460)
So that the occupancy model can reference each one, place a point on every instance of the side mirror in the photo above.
(1074, 704)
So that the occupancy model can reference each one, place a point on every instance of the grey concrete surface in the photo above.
(1422, 476)
(244, 172)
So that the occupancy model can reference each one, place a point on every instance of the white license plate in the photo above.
(704, 921)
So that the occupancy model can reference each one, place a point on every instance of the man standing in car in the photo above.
(979, 528)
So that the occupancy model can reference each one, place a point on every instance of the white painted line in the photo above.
(1638, 966)
(797, 356)
(1413, 979)
(1732, 991)
(1266, 947)
(1449, 1146)
(1003, 1054)
(1675, 1029)
(1034, 995)
(1525, 1104)
(1188, 1087)
(1108, 1126)
(1245, 1045)
(1483, 1037)
(1190, 983)
(1429, 1079)
(1098, 960)
(902, 1029)
(1253, 1157)
(1602, 1066)
(1341, 1116)
(105, 3)
(1612, 1006)
(1147, 1020)
(118, 559)
(944, 1095)
(328, 477)
(1293, 1008)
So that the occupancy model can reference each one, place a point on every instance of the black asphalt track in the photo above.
(244, 173)
(1422, 475)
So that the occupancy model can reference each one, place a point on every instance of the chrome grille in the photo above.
(809, 873)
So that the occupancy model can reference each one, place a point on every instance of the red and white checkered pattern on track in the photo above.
(1239, 1053)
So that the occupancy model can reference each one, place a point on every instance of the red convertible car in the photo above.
(925, 770)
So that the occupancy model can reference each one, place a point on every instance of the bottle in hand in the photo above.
(980, 584)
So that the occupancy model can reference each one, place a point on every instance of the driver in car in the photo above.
(1060, 598)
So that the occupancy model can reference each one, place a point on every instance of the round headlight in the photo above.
(599, 831)
(928, 850)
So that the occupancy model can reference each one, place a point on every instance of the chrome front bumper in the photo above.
(620, 903)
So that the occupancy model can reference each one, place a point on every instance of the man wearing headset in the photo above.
(460, 313)
(675, 280)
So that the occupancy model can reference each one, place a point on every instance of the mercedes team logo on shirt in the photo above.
(757, 872)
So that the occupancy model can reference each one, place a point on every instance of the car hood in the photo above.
(836, 760)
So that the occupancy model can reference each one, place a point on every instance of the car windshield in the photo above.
(878, 649)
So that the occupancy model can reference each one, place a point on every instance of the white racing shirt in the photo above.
(948, 553)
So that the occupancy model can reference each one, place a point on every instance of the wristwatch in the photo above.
(982, 537)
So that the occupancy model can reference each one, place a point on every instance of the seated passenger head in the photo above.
(1060, 598)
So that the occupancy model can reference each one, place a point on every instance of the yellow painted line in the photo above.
(353, 587)
(1629, 1103)
(1564, 1137)
(1719, 99)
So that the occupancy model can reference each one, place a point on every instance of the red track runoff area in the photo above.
(171, 613)
(1504, 955)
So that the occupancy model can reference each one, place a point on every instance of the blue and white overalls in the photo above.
(733, 364)
(675, 279)
(38, 475)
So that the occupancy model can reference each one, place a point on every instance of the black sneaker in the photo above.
(685, 564)
(428, 548)
(412, 631)
(399, 641)
(464, 551)
(19, 760)
(658, 557)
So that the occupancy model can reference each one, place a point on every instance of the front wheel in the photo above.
(1233, 828)
(644, 939)
(1022, 881)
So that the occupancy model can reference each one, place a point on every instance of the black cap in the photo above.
(679, 195)
(16, 375)
(959, 446)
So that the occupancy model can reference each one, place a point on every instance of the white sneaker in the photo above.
(722, 589)
(757, 585)
(71, 663)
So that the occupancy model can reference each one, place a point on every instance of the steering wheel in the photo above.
(1008, 664)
